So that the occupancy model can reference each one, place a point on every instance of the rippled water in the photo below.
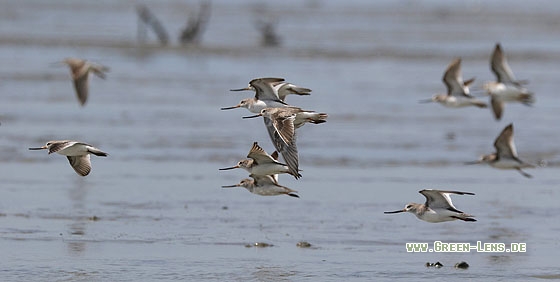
(154, 209)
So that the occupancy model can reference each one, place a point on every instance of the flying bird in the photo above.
(505, 156)
(457, 91)
(80, 70)
(264, 185)
(506, 88)
(76, 152)
(260, 163)
(437, 208)
(265, 95)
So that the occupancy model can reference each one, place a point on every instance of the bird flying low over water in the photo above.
(505, 156)
(281, 124)
(76, 152)
(266, 95)
(280, 88)
(438, 207)
(264, 185)
(80, 70)
(260, 163)
(457, 91)
(279, 118)
(506, 88)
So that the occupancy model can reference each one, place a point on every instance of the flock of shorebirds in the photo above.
(505, 89)
(282, 121)
(438, 206)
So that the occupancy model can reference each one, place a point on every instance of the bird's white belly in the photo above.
(494, 88)
(268, 169)
(457, 102)
(268, 190)
(507, 164)
(508, 92)
(74, 150)
(440, 215)
(257, 107)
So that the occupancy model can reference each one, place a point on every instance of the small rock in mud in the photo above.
(462, 265)
(436, 265)
(259, 245)
(303, 244)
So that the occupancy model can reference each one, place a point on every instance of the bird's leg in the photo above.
(524, 173)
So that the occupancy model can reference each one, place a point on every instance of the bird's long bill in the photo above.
(229, 108)
(241, 89)
(255, 116)
(399, 211)
(473, 162)
(229, 186)
(228, 168)
(38, 148)
(425, 101)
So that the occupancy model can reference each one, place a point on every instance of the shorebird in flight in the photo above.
(270, 92)
(264, 185)
(506, 88)
(265, 95)
(457, 91)
(76, 152)
(80, 70)
(281, 124)
(260, 163)
(438, 207)
(505, 156)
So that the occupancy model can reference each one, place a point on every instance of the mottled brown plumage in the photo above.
(80, 70)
